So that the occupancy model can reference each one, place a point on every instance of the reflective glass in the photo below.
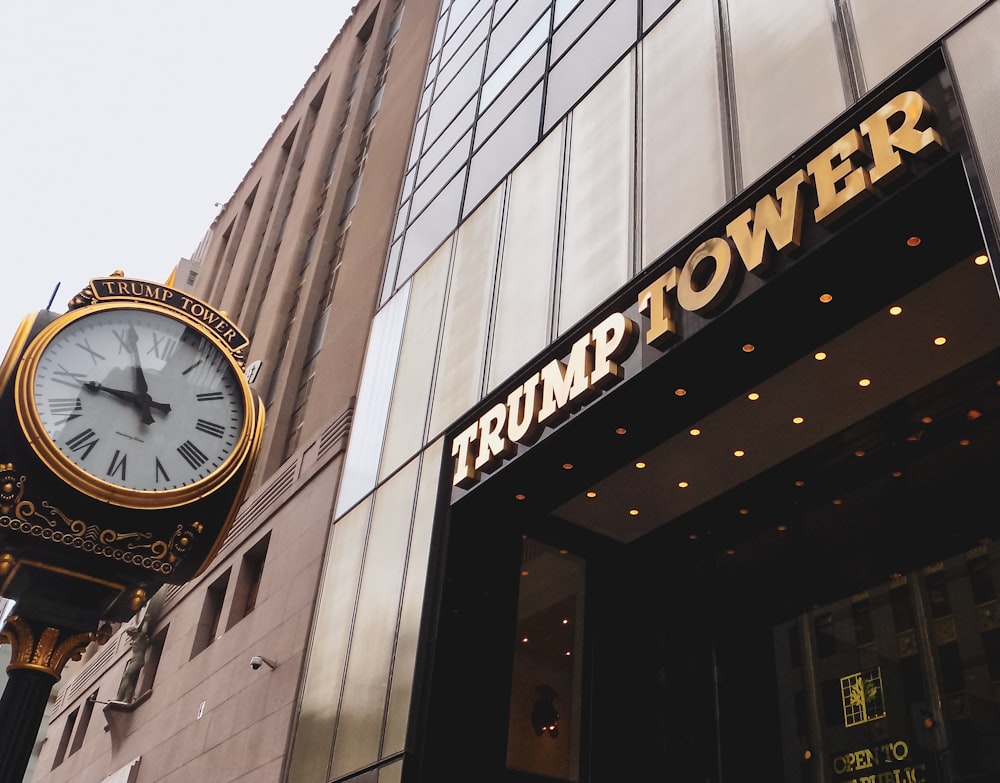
(524, 288)
(886, 43)
(504, 149)
(785, 65)
(462, 55)
(511, 95)
(652, 10)
(443, 144)
(543, 734)
(404, 662)
(522, 52)
(324, 671)
(597, 245)
(411, 393)
(613, 34)
(429, 229)
(364, 449)
(455, 159)
(463, 343)
(450, 102)
(366, 681)
(463, 29)
(683, 161)
(508, 33)
(574, 24)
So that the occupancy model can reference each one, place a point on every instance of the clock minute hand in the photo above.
(133, 344)
(142, 401)
(121, 394)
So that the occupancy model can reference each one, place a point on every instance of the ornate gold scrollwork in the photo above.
(46, 650)
(48, 522)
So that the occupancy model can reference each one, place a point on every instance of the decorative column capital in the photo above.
(46, 649)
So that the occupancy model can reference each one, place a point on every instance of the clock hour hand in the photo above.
(133, 344)
(142, 401)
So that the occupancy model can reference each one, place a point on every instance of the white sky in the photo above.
(123, 122)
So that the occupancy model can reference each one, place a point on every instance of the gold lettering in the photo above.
(492, 442)
(707, 277)
(522, 410)
(461, 449)
(780, 219)
(564, 382)
(653, 302)
(614, 339)
(900, 125)
(840, 178)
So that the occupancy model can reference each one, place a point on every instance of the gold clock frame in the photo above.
(76, 477)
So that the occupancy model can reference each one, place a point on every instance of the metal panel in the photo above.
(974, 55)
(405, 659)
(366, 682)
(411, 395)
(524, 289)
(313, 742)
(891, 32)
(787, 77)
(364, 450)
(599, 204)
(463, 346)
(683, 174)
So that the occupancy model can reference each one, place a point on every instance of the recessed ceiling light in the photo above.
(826, 298)
(519, 496)
(837, 501)
(565, 621)
(897, 473)
(693, 536)
(526, 573)
(524, 640)
(694, 432)
(819, 356)
(591, 494)
(634, 512)
(739, 453)
(964, 442)
(797, 420)
(567, 466)
(748, 348)
(744, 511)
(865, 382)
(982, 259)
(753, 396)
(640, 465)
(680, 392)
(620, 431)
(940, 340)
(859, 453)
(730, 552)
(682, 484)
(926, 420)
(972, 415)
(913, 241)
(782, 528)
(895, 310)
(800, 483)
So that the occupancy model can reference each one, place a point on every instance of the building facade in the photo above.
(676, 424)
(294, 258)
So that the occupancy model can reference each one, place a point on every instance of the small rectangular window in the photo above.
(67, 733)
(81, 730)
(211, 613)
(248, 585)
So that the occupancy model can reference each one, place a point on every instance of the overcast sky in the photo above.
(124, 122)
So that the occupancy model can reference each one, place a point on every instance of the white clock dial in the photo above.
(138, 399)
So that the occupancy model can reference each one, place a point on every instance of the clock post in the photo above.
(128, 436)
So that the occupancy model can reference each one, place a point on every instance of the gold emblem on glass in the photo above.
(862, 697)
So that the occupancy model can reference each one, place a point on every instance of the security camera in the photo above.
(257, 661)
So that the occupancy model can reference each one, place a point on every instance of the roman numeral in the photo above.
(70, 407)
(192, 454)
(85, 345)
(117, 464)
(206, 396)
(163, 346)
(67, 378)
(84, 441)
(161, 471)
(210, 428)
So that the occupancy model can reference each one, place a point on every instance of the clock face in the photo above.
(133, 399)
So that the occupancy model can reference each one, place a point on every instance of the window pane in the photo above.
(543, 735)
